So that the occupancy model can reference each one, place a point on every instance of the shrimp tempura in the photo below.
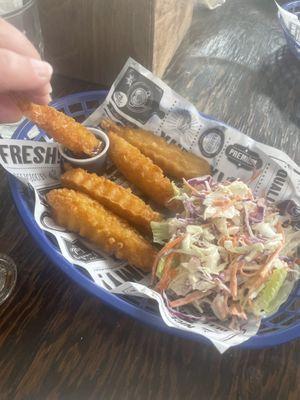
(171, 159)
(80, 214)
(64, 129)
(140, 170)
(113, 196)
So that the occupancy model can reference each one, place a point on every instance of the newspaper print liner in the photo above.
(141, 99)
(291, 22)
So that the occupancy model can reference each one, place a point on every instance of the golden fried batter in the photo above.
(62, 128)
(79, 213)
(171, 159)
(113, 196)
(140, 170)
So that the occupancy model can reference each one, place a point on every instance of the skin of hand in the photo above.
(21, 72)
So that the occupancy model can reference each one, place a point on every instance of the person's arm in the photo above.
(21, 71)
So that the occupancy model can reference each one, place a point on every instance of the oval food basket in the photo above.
(281, 327)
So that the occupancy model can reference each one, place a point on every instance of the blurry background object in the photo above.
(91, 40)
(211, 4)
(23, 14)
(7, 6)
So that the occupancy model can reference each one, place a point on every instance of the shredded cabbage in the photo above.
(265, 229)
(160, 232)
(256, 247)
(223, 247)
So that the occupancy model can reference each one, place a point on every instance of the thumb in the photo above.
(19, 73)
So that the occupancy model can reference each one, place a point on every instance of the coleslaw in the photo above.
(228, 255)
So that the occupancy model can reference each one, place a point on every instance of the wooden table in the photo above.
(58, 342)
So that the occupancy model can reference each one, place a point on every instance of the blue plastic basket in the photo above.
(294, 7)
(281, 327)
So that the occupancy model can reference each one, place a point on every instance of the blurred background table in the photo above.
(58, 342)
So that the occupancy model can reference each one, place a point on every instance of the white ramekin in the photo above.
(92, 164)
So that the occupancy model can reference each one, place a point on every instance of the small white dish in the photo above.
(92, 164)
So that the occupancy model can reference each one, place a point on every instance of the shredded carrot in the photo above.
(233, 279)
(205, 225)
(256, 282)
(235, 240)
(261, 276)
(248, 274)
(163, 251)
(236, 310)
(266, 268)
(256, 173)
(280, 230)
(167, 275)
(250, 303)
(190, 298)
(222, 203)
(264, 272)
(195, 191)
(222, 240)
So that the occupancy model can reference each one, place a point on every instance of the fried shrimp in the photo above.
(80, 214)
(64, 129)
(140, 170)
(113, 196)
(171, 159)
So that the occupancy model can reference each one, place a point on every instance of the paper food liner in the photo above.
(138, 97)
(291, 22)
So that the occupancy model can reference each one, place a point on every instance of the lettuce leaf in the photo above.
(267, 300)
(161, 232)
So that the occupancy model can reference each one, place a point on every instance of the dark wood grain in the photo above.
(101, 34)
(58, 342)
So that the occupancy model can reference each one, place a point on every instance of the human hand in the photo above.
(21, 71)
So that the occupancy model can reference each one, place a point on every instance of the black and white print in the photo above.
(243, 157)
(137, 96)
(211, 142)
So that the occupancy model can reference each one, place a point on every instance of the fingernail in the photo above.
(42, 69)
(48, 88)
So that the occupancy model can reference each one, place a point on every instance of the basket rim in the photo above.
(121, 305)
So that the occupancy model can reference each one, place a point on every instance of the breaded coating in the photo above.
(80, 214)
(64, 129)
(171, 159)
(113, 196)
(140, 170)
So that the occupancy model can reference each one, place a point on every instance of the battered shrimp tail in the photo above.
(113, 196)
(62, 128)
(80, 214)
(169, 157)
(140, 170)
